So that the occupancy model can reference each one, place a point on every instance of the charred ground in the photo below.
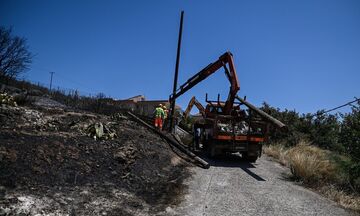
(50, 164)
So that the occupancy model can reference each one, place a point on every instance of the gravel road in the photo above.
(234, 187)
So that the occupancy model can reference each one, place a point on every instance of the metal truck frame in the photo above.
(226, 127)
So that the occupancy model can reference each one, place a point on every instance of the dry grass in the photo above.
(278, 151)
(344, 199)
(313, 167)
(310, 163)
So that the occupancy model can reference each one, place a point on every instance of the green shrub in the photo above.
(7, 99)
(339, 133)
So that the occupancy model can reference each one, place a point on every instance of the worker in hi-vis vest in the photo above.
(166, 114)
(159, 116)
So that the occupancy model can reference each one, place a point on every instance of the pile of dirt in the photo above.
(50, 165)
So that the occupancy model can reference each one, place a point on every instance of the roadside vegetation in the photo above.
(321, 150)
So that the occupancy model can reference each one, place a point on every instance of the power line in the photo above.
(338, 107)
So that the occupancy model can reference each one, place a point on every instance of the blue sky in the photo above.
(302, 55)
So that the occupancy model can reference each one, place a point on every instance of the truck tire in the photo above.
(213, 152)
(251, 159)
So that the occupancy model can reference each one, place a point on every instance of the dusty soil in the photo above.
(50, 166)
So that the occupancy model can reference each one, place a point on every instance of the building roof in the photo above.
(140, 99)
(137, 97)
(154, 101)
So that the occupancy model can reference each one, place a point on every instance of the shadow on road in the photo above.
(232, 160)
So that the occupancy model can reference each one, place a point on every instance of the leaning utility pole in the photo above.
(52, 73)
(172, 105)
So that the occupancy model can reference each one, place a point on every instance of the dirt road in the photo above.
(236, 187)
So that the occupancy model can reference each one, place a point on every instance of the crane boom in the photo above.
(223, 61)
(195, 102)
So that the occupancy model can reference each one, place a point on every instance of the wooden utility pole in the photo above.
(51, 78)
(172, 105)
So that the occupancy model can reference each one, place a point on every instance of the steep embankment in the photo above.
(50, 164)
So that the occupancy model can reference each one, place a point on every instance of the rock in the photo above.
(3, 212)
(114, 173)
(121, 157)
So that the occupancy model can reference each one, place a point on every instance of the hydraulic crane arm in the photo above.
(223, 61)
(195, 102)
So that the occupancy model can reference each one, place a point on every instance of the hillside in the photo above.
(51, 163)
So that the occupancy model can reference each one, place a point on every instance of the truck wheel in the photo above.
(212, 151)
(251, 159)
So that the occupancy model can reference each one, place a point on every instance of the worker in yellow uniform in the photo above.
(159, 116)
(166, 113)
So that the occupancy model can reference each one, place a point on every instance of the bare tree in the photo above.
(15, 58)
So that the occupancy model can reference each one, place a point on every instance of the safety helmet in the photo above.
(160, 105)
